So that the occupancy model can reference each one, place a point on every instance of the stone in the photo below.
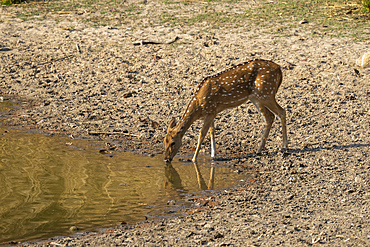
(364, 60)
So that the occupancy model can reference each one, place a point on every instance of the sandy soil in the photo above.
(317, 193)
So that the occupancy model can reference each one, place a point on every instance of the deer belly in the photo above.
(231, 102)
(222, 99)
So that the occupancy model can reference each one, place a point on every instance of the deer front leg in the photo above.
(213, 142)
(207, 124)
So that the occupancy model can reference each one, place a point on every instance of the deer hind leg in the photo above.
(269, 119)
(274, 107)
(208, 122)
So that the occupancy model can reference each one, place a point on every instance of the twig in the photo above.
(342, 236)
(57, 59)
(78, 48)
(111, 133)
(144, 42)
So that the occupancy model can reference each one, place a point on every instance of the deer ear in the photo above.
(172, 124)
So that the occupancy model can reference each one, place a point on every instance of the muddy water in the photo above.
(49, 184)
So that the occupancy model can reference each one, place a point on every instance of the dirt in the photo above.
(75, 79)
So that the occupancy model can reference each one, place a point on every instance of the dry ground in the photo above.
(318, 193)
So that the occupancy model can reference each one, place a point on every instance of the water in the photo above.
(49, 184)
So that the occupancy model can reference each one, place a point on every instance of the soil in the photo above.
(76, 79)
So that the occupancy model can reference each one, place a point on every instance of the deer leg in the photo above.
(203, 132)
(269, 119)
(213, 142)
(281, 114)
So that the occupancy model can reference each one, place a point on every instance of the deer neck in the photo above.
(192, 113)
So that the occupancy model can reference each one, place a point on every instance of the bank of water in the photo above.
(49, 184)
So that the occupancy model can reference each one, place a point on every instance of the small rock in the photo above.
(73, 228)
(209, 226)
(155, 125)
(290, 197)
(5, 49)
(190, 234)
(218, 235)
(358, 179)
(127, 95)
(143, 120)
(364, 60)
(185, 160)
(171, 202)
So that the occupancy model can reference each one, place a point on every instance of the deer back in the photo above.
(259, 79)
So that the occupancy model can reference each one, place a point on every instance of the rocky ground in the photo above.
(76, 79)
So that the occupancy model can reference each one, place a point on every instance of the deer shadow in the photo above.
(291, 151)
(308, 150)
(336, 147)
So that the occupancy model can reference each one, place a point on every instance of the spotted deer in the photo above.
(255, 80)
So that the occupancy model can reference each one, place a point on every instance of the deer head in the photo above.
(172, 141)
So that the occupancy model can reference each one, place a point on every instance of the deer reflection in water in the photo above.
(174, 182)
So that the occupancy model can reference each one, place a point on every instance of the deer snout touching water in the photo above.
(256, 80)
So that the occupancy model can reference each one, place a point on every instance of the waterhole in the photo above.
(50, 184)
